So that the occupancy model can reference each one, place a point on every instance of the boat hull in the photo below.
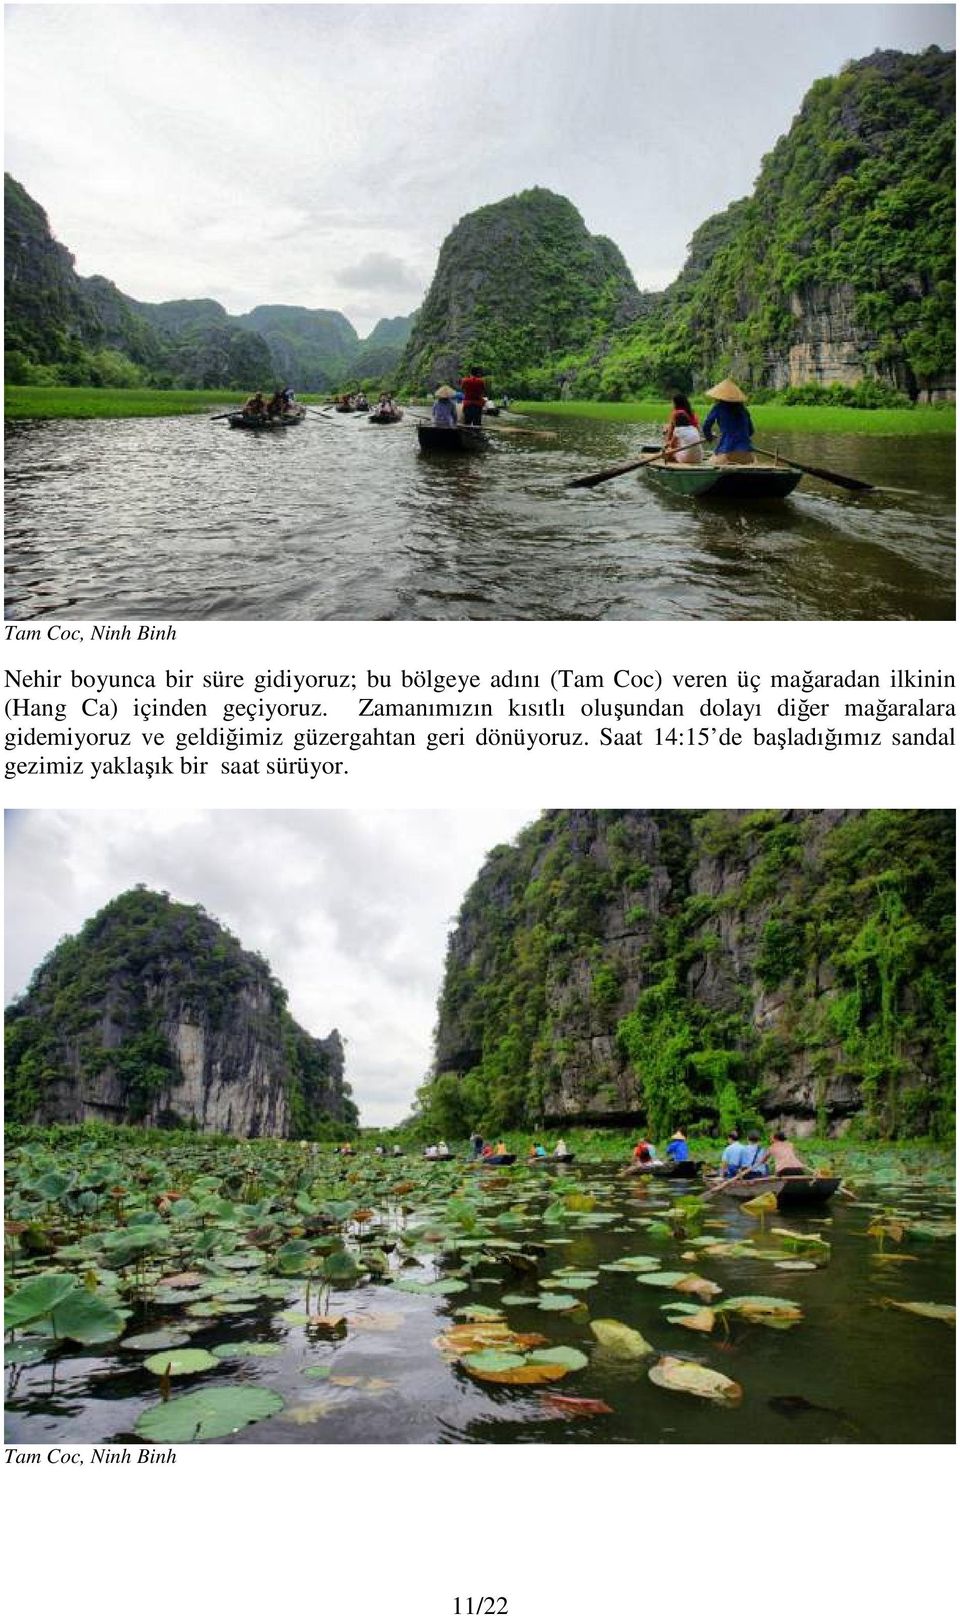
(734, 483)
(452, 439)
(379, 418)
(790, 1192)
(547, 1161)
(257, 423)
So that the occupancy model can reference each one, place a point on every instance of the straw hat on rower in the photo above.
(445, 392)
(728, 392)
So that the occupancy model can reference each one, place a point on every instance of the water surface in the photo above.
(181, 517)
(855, 1370)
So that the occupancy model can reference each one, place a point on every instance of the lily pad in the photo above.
(205, 1415)
(776, 1312)
(558, 1302)
(570, 1357)
(181, 1361)
(155, 1340)
(679, 1375)
(35, 1299)
(247, 1349)
(619, 1340)
(928, 1310)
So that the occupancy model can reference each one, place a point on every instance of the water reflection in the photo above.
(183, 518)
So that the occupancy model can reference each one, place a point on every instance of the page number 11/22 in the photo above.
(480, 1605)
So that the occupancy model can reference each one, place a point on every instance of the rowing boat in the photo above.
(266, 423)
(683, 1169)
(384, 417)
(495, 1161)
(736, 483)
(452, 439)
(536, 1161)
(790, 1191)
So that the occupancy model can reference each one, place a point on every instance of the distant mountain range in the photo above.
(82, 330)
(838, 268)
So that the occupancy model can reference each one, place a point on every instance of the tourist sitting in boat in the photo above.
(474, 396)
(732, 418)
(397, 1151)
(444, 412)
(732, 1159)
(561, 1149)
(289, 398)
(255, 405)
(677, 1150)
(753, 1157)
(536, 1151)
(360, 401)
(430, 1151)
(275, 406)
(786, 1162)
(682, 433)
(500, 1149)
(379, 1151)
(476, 1144)
(443, 1149)
(645, 1155)
(487, 1150)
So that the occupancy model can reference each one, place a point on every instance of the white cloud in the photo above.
(245, 152)
(351, 909)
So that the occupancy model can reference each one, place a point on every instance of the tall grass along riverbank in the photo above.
(926, 420)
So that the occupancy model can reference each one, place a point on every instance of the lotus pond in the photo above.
(177, 1289)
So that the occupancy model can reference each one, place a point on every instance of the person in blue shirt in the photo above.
(754, 1156)
(678, 1150)
(732, 419)
(732, 1159)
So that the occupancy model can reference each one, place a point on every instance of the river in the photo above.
(854, 1368)
(180, 517)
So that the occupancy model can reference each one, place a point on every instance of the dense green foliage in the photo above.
(319, 349)
(101, 1003)
(736, 961)
(517, 282)
(852, 213)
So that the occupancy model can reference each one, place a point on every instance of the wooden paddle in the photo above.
(840, 478)
(224, 417)
(521, 431)
(725, 1183)
(594, 477)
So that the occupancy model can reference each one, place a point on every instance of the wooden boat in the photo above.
(447, 1156)
(384, 417)
(491, 409)
(790, 1192)
(735, 483)
(495, 1161)
(540, 1161)
(267, 423)
(452, 439)
(343, 409)
(684, 1169)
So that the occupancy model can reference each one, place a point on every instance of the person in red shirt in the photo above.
(474, 397)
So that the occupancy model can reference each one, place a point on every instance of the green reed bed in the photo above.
(926, 420)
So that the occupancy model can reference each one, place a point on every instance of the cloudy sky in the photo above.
(352, 910)
(318, 155)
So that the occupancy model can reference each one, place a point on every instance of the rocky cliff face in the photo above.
(517, 282)
(154, 1014)
(670, 967)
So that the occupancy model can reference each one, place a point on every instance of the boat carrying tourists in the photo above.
(732, 419)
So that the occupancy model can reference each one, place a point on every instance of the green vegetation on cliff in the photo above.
(704, 968)
(517, 282)
(847, 240)
(100, 1014)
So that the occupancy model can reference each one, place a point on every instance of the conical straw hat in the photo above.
(728, 392)
(445, 392)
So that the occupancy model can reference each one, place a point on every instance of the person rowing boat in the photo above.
(732, 419)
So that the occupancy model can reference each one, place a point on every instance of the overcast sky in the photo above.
(318, 155)
(352, 910)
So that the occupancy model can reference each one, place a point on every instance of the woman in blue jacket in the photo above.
(732, 418)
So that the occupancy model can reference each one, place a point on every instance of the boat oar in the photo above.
(592, 478)
(318, 415)
(223, 417)
(840, 478)
(725, 1183)
(522, 431)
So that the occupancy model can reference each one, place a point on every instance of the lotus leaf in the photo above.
(509, 1369)
(662, 1280)
(776, 1312)
(247, 1349)
(573, 1408)
(693, 1285)
(570, 1282)
(679, 1375)
(21, 1353)
(318, 1371)
(88, 1319)
(928, 1310)
(558, 1302)
(797, 1266)
(477, 1313)
(203, 1416)
(570, 1357)
(520, 1301)
(619, 1340)
(155, 1340)
(698, 1318)
(760, 1205)
(35, 1299)
(181, 1361)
